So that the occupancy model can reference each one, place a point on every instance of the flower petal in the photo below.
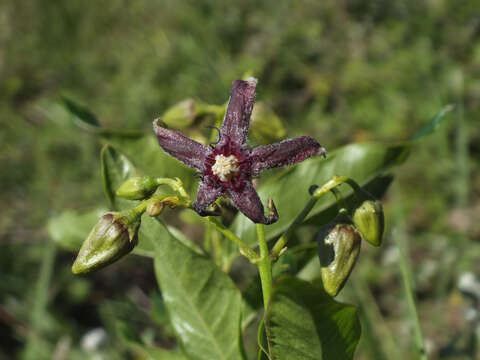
(188, 151)
(237, 118)
(286, 152)
(208, 192)
(248, 202)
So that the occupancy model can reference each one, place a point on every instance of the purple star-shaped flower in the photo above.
(228, 167)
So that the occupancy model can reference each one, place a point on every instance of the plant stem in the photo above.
(175, 184)
(245, 250)
(408, 285)
(264, 266)
(282, 241)
(377, 330)
(317, 194)
(39, 308)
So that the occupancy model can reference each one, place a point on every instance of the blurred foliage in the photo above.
(342, 71)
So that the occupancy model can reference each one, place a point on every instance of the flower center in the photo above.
(225, 167)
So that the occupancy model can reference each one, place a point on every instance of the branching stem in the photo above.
(316, 194)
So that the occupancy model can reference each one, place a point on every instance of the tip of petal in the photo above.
(252, 81)
(156, 124)
(322, 151)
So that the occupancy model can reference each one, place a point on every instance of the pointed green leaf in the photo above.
(304, 323)
(116, 169)
(203, 303)
(289, 190)
(434, 123)
(81, 114)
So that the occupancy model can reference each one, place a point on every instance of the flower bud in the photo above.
(137, 188)
(369, 220)
(266, 125)
(338, 248)
(114, 236)
(154, 207)
(181, 114)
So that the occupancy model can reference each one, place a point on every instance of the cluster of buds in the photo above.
(116, 233)
(339, 242)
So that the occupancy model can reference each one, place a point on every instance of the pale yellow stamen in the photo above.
(225, 167)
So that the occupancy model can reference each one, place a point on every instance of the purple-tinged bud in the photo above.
(137, 188)
(369, 220)
(338, 247)
(114, 236)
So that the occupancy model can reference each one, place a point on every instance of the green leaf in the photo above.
(203, 303)
(289, 189)
(116, 169)
(433, 125)
(81, 114)
(149, 157)
(304, 323)
(152, 353)
(70, 228)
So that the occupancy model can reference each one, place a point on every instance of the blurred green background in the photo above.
(341, 71)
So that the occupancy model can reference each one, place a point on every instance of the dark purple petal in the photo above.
(237, 118)
(208, 192)
(286, 152)
(186, 150)
(248, 202)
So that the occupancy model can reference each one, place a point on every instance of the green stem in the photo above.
(340, 200)
(245, 250)
(282, 241)
(264, 266)
(175, 184)
(377, 330)
(171, 200)
(41, 295)
(408, 285)
(317, 194)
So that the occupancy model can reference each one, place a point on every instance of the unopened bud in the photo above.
(154, 207)
(181, 114)
(266, 125)
(369, 220)
(114, 236)
(137, 188)
(338, 247)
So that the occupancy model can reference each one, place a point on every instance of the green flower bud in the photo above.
(137, 188)
(266, 125)
(338, 248)
(114, 236)
(154, 207)
(181, 115)
(369, 220)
